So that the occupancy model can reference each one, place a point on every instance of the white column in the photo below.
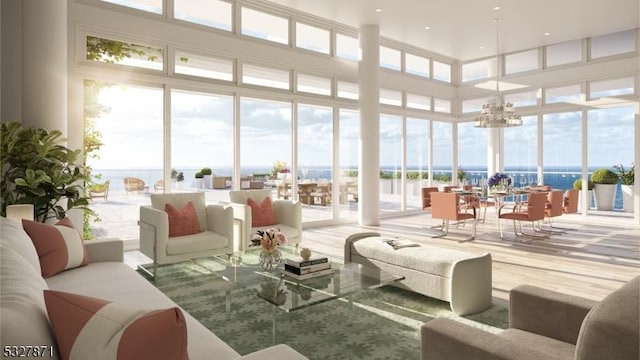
(44, 69)
(493, 151)
(369, 172)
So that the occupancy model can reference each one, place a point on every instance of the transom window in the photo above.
(124, 53)
(522, 61)
(441, 71)
(569, 94)
(312, 38)
(213, 13)
(416, 65)
(314, 84)
(263, 76)
(390, 58)
(264, 26)
(614, 87)
(348, 90)
(153, 6)
(564, 53)
(347, 47)
(203, 66)
(479, 70)
(613, 44)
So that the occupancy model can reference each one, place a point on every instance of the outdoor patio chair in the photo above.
(99, 190)
(213, 236)
(132, 184)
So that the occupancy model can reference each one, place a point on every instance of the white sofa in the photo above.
(459, 277)
(288, 216)
(24, 316)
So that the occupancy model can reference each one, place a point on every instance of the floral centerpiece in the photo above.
(499, 181)
(269, 240)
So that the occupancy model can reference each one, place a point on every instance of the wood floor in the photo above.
(591, 260)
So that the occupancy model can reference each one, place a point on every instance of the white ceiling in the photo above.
(460, 27)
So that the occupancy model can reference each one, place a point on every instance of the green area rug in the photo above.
(381, 323)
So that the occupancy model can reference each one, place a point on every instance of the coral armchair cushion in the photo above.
(60, 246)
(261, 213)
(92, 328)
(182, 221)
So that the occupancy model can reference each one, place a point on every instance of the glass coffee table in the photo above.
(290, 294)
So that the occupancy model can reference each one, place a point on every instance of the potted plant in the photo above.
(577, 185)
(206, 177)
(626, 181)
(37, 169)
(199, 176)
(179, 179)
(605, 184)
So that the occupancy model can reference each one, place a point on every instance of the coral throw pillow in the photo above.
(59, 247)
(261, 214)
(91, 328)
(182, 222)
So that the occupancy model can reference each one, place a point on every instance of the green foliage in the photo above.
(626, 177)
(386, 175)
(206, 171)
(350, 173)
(415, 175)
(180, 176)
(442, 178)
(37, 169)
(604, 176)
(278, 166)
(461, 175)
(577, 185)
(174, 174)
(199, 175)
(112, 51)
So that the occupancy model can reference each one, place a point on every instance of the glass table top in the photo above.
(290, 294)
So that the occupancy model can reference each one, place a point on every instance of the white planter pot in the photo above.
(199, 183)
(627, 198)
(206, 180)
(589, 199)
(386, 186)
(605, 196)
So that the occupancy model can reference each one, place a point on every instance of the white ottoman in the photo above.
(461, 278)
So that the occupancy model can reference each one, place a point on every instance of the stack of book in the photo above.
(306, 269)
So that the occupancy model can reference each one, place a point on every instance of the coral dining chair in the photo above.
(532, 210)
(570, 204)
(447, 206)
(553, 206)
(426, 197)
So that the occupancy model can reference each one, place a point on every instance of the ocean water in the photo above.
(557, 178)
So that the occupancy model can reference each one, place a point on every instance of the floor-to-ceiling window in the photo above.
(265, 145)
(562, 149)
(521, 152)
(131, 157)
(349, 154)
(611, 143)
(417, 145)
(390, 163)
(442, 152)
(201, 139)
(315, 161)
(472, 154)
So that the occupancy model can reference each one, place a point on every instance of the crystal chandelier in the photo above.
(497, 114)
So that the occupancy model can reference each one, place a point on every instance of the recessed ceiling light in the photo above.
(496, 8)
(378, 10)
(547, 34)
(481, 47)
(427, 27)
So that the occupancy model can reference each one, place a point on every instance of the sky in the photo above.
(202, 134)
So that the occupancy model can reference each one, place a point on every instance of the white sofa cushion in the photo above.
(202, 241)
(14, 237)
(22, 309)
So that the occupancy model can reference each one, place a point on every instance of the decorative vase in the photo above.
(605, 196)
(627, 198)
(270, 259)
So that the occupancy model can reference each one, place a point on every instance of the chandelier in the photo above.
(497, 114)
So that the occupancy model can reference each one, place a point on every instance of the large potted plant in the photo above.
(206, 177)
(577, 185)
(37, 169)
(626, 181)
(199, 176)
(606, 182)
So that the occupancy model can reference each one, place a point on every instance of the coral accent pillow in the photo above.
(261, 214)
(59, 247)
(91, 328)
(182, 222)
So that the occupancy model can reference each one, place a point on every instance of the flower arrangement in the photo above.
(626, 177)
(498, 179)
(279, 167)
(269, 239)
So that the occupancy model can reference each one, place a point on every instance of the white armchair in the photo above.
(216, 223)
(288, 216)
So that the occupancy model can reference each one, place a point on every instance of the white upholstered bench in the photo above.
(461, 278)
